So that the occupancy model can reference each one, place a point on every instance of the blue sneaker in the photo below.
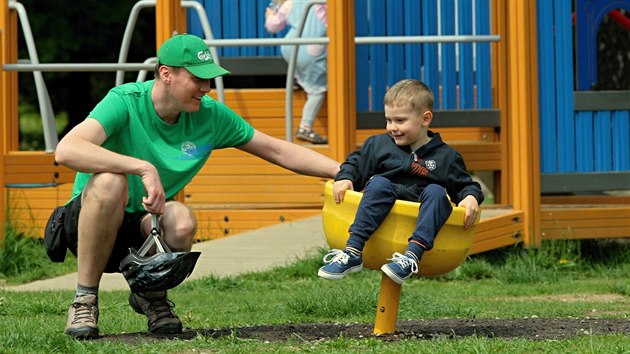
(340, 263)
(401, 268)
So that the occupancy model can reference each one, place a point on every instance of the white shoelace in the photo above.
(405, 261)
(336, 256)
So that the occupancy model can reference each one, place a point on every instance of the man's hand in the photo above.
(339, 189)
(472, 210)
(155, 200)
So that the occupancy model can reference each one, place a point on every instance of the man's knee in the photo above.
(180, 225)
(107, 188)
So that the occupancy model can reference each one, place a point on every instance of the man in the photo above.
(138, 147)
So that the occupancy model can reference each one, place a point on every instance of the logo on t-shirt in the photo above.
(191, 151)
(189, 148)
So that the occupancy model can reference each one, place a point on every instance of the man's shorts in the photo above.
(129, 234)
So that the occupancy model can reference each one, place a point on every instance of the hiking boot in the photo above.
(339, 264)
(401, 268)
(83, 318)
(161, 319)
(310, 136)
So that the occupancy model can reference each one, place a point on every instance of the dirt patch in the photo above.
(528, 328)
(604, 298)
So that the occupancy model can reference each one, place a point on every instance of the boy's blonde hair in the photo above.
(413, 92)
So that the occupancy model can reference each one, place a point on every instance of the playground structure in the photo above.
(522, 130)
(504, 138)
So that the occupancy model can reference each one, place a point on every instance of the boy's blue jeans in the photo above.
(379, 197)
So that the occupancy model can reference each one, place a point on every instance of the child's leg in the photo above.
(311, 109)
(434, 210)
(309, 113)
(378, 199)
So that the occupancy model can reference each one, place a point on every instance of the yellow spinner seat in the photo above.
(450, 249)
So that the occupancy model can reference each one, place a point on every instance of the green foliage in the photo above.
(24, 259)
(31, 130)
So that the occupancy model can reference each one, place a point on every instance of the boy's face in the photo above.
(407, 126)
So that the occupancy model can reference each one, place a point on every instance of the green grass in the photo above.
(510, 283)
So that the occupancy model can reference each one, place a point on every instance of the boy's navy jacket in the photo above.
(410, 172)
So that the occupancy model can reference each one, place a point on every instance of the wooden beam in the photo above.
(170, 18)
(500, 72)
(341, 79)
(8, 100)
(502, 230)
(585, 222)
(522, 112)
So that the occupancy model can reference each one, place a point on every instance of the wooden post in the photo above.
(518, 100)
(342, 114)
(8, 101)
(387, 308)
(499, 95)
(170, 18)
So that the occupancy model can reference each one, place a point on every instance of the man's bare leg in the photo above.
(102, 211)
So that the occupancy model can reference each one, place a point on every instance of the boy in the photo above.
(409, 162)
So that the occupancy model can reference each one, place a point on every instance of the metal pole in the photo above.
(45, 107)
(291, 73)
(387, 308)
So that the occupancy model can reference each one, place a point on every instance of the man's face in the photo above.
(406, 125)
(187, 90)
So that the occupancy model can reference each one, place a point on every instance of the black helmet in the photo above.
(161, 271)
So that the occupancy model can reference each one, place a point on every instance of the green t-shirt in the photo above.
(178, 151)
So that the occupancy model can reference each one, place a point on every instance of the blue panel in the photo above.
(449, 77)
(430, 51)
(213, 9)
(231, 26)
(483, 60)
(261, 32)
(464, 23)
(584, 134)
(564, 88)
(193, 26)
(247, 25)
(603, 141)
(413, 27)
(377, 54)
(547, 89)
(362, 56)
(621, 141)
(395, 55)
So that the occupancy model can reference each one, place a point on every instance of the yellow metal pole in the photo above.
(341, 79)
(387, 308)
(522, 111)
(8, 101)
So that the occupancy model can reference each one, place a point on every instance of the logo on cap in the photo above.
(204, 55)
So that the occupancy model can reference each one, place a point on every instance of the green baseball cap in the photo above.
(191, 52)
